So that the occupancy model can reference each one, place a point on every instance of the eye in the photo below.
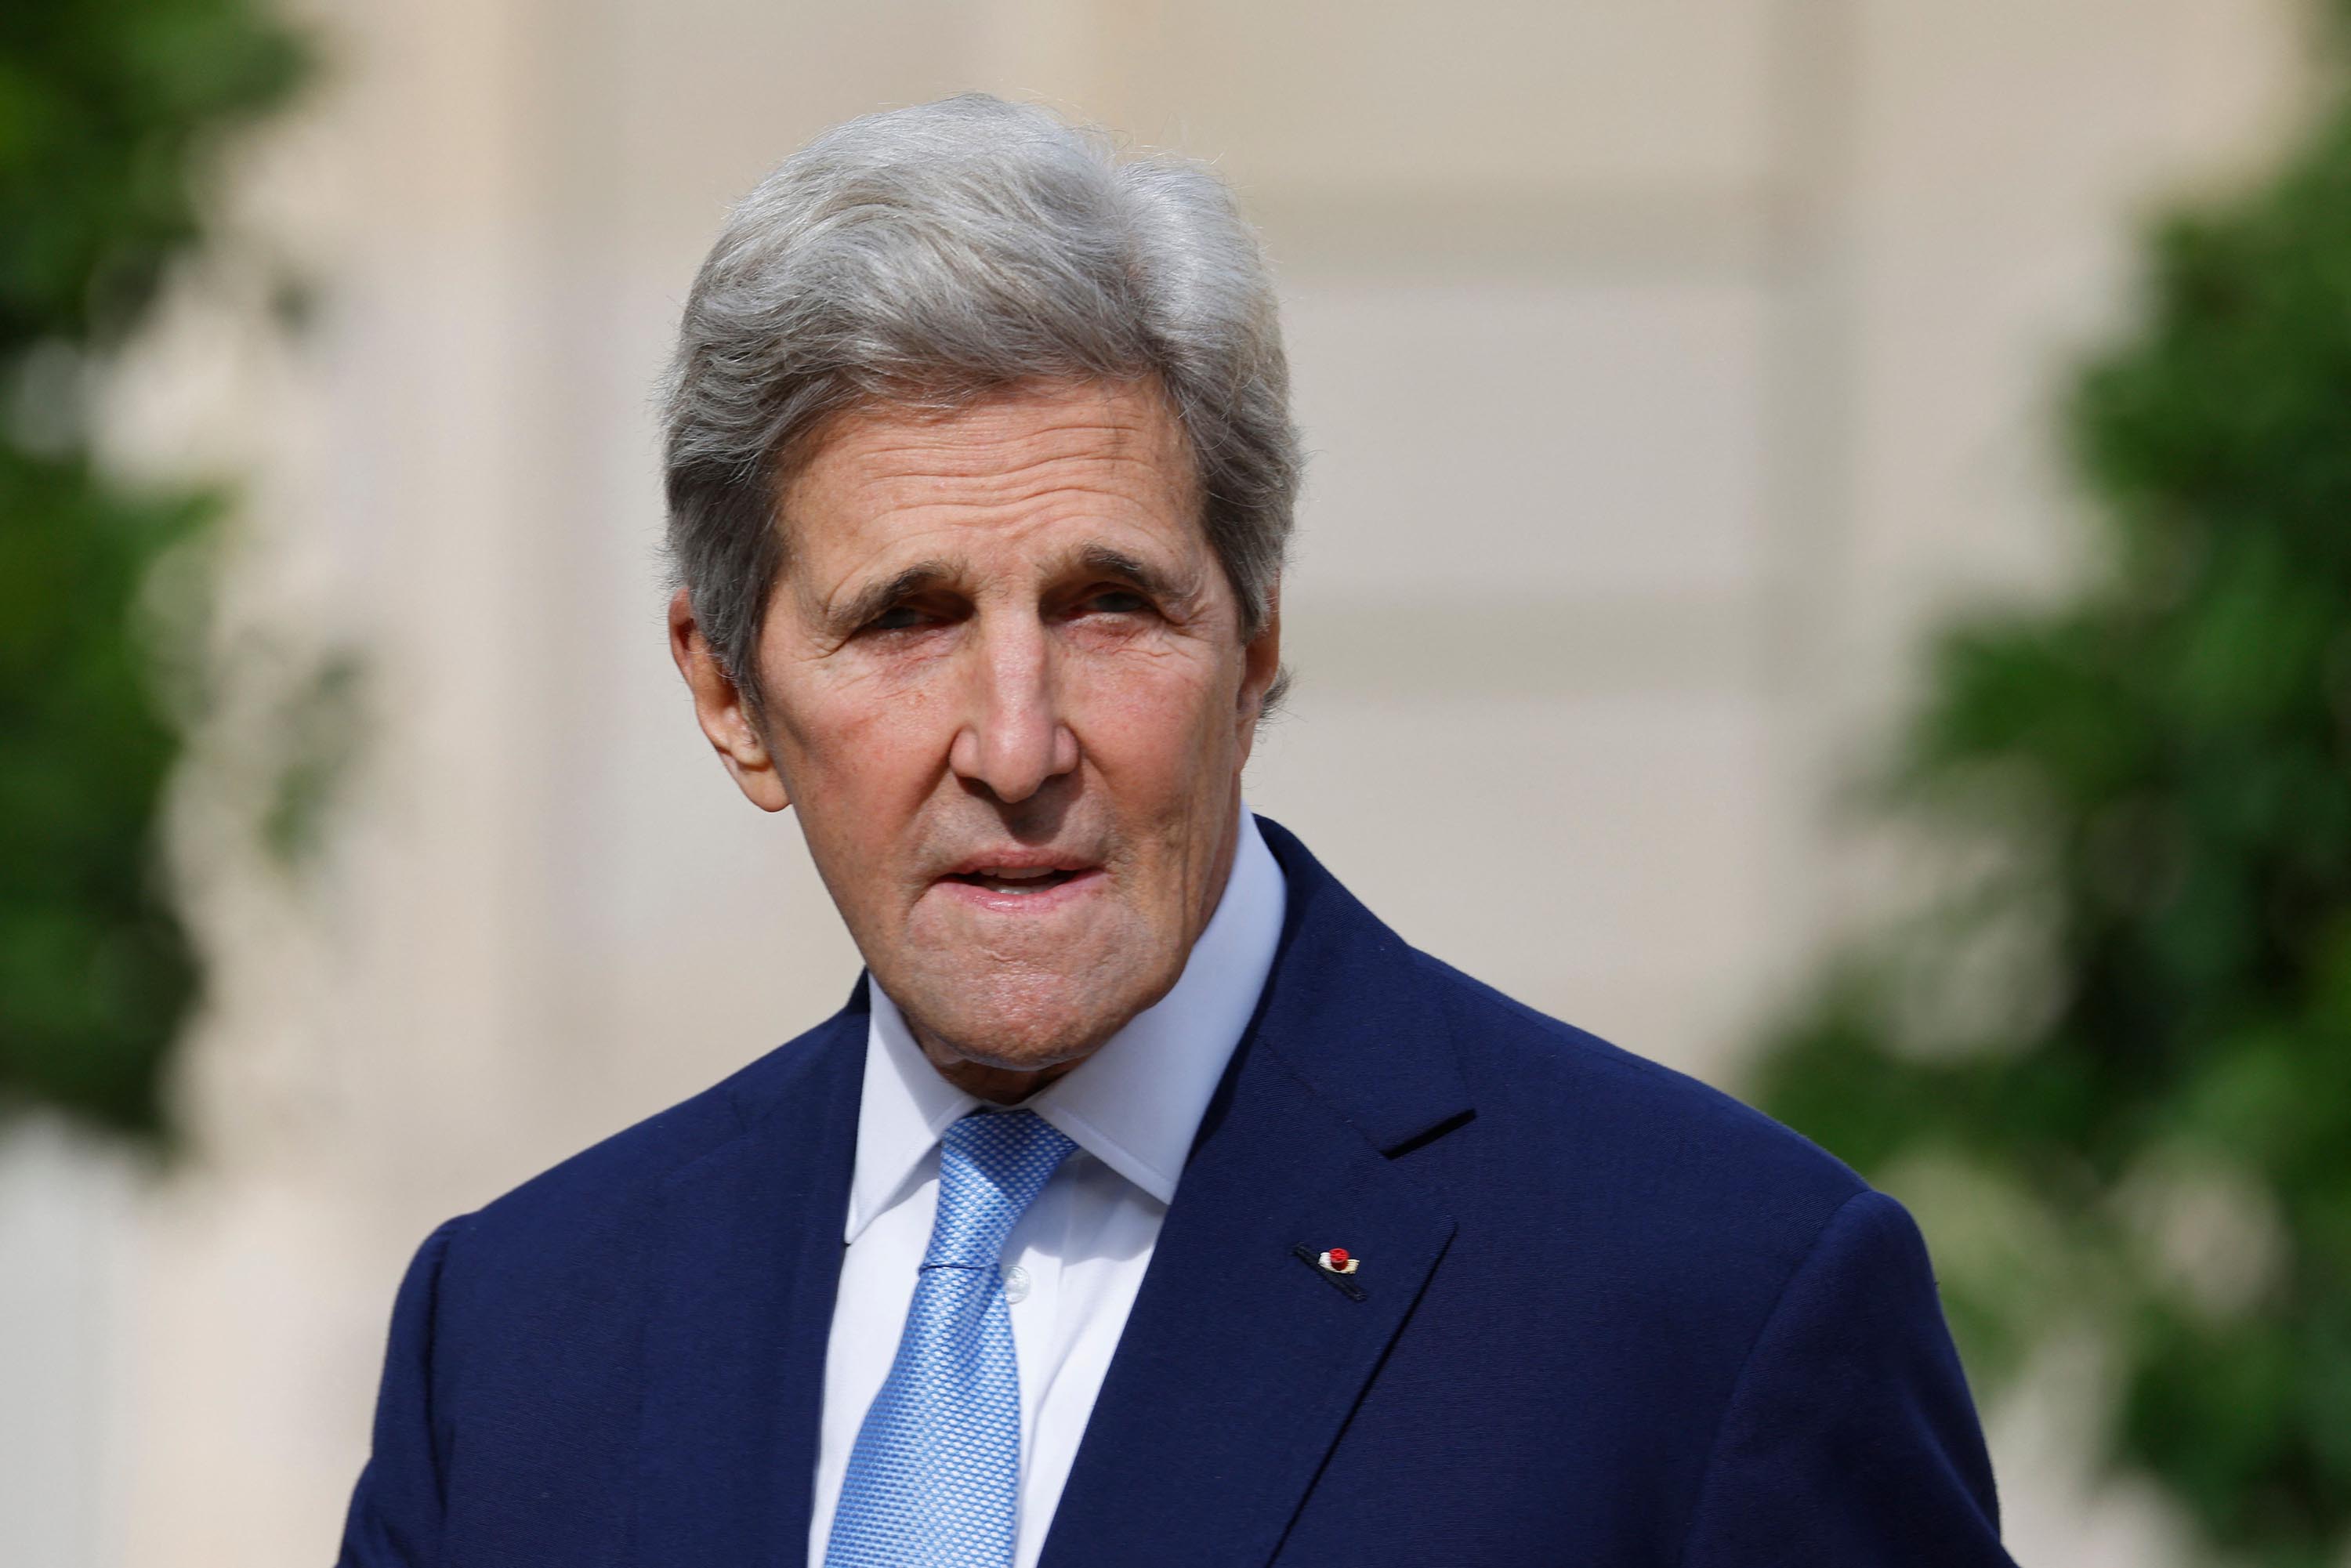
(897, 618)
(1118, 601)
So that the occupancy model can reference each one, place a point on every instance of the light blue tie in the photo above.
(935, 1478)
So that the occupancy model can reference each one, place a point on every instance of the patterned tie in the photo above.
(935, 1478)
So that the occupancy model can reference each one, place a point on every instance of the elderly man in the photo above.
(1149, 1202)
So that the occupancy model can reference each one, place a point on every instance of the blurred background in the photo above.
(1676, 373)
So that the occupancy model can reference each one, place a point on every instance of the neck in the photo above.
(997, 1085)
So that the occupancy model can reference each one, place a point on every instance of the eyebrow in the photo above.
(1111, 562)
(849, 614)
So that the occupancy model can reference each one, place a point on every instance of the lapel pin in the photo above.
(1336, 1265)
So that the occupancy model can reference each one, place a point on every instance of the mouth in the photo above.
(1017, 883)
(1013, 887)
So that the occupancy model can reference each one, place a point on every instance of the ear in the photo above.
(720, 708)
(1263, 679)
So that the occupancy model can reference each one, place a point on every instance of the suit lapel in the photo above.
(1241, 1361)
(741, 1313)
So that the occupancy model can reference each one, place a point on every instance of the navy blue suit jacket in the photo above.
(1604, 1316)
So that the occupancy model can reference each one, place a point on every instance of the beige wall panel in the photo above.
(1528, 439)
(2001, 150)
(689, 102)
(706, 936)
(1598, 858)
(1527, 93)
(708, 93)
(671, 113)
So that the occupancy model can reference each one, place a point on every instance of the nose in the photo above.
(1013, 737)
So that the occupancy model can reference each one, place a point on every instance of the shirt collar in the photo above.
(1136, 1103)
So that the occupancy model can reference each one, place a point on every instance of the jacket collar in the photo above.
(1242, 1360)
(1349, 1010)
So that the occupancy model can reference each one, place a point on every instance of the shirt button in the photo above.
(1015, 1283)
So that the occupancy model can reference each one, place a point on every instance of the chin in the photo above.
(1026, 1021)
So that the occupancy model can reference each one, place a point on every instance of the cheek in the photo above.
(1158, 726)
(856, 760)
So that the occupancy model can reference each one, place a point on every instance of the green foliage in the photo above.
(2111, 1061)
(110, 113)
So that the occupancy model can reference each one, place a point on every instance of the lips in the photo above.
(1022, 879)
(1011, 880)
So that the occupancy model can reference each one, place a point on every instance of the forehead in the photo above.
(885, 475)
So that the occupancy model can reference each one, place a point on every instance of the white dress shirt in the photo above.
(1074, 1261)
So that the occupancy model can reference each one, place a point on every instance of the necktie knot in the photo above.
(992, 1165)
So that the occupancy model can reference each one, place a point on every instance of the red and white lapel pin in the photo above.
(1337, 1266)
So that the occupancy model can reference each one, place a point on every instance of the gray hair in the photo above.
(932, 255)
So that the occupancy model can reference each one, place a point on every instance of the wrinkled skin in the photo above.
(1003, 644)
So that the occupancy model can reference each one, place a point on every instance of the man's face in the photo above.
(1007, 690)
